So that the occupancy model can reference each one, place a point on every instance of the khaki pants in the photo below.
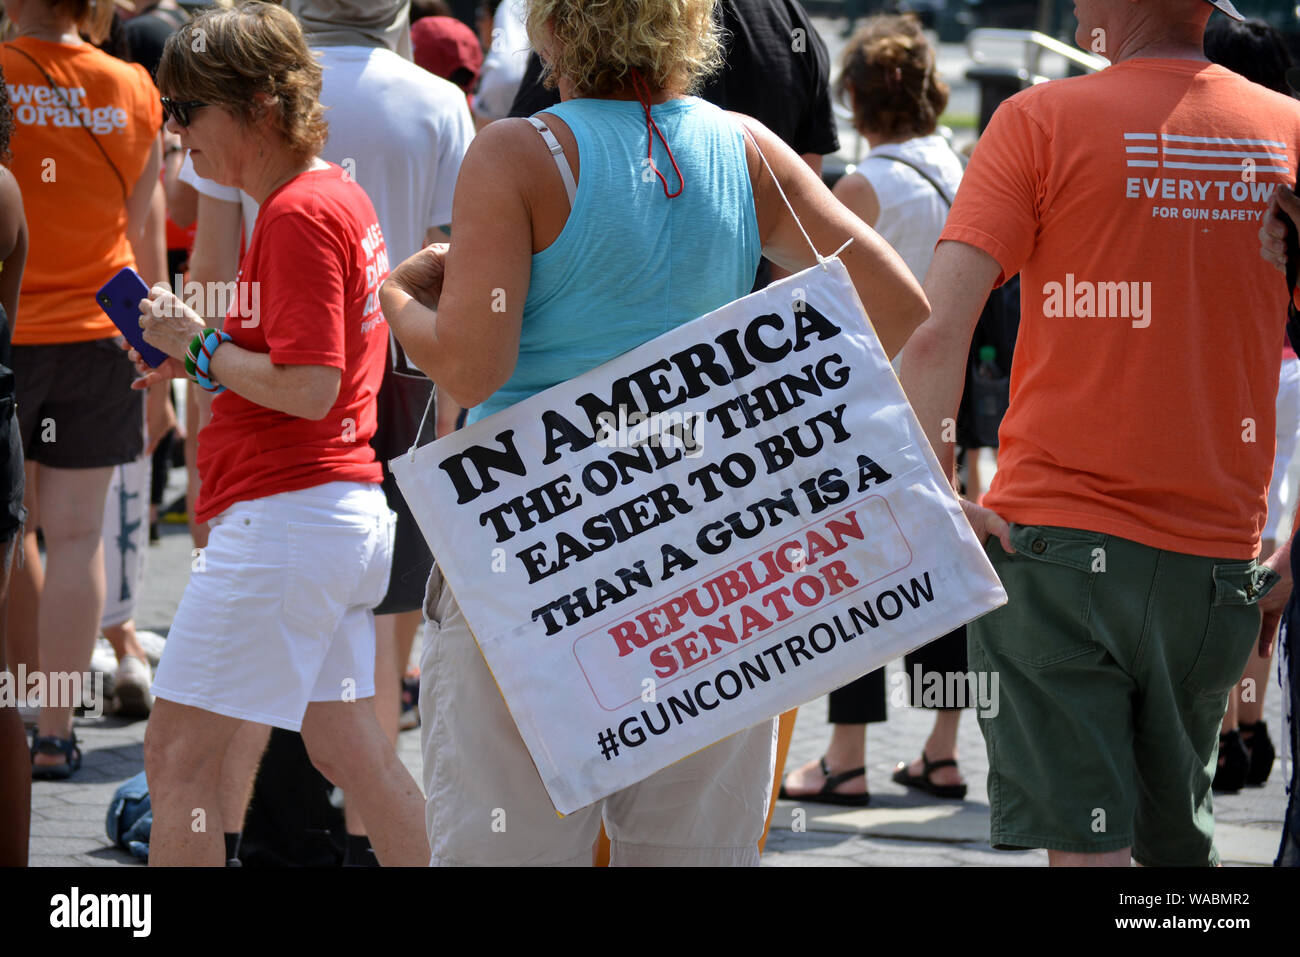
(486, 804)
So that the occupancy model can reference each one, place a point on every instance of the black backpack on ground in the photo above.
(291, 822)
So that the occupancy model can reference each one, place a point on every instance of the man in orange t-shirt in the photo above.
(1135, 456)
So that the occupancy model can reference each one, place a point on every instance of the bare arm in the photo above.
(856, 193)
(141, 198)
(150, 247)
(815, 163)
(889, 292)
(306, 391)
(215, 258)
(182, 198)
(467, 338)
(13, 243)
(446, 410)
(933, 371)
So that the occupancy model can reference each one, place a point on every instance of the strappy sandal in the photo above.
(828, 795)
(52, 744)
(922, 781)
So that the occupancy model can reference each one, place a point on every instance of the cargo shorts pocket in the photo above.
(1049, 583)
(432, 594)
(1232, 628)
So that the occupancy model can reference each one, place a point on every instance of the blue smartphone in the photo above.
(120, 299)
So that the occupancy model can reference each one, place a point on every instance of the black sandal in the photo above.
(922, 781)
(1260, 748)
(52, 744)
(1234, 764)
(828, 795)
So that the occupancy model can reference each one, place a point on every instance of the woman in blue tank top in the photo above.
(572, 246)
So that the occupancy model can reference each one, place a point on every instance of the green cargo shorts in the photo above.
(1114, 664)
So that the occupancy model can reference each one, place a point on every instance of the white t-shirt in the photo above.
(229, 194)
(402, 132)
(912, 213)
(399, 129)
(503, 67)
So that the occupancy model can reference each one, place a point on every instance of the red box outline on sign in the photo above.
(740, 561)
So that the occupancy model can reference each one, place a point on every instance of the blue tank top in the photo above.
(630, 264)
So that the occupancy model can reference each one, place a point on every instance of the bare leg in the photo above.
(1120, 858)
(1259, 672)
(27, 578)
(74, 573)
(845, 752)
(388, 692)
(388, 676)
(198, 411)
(347, 745)
(973, 487)
(940, 746)
(125, 641)
(15, 761)
(407, 627)
(184, 752)
(1230, 717)
(239, 772)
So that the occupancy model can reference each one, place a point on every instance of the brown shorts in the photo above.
(76, 407)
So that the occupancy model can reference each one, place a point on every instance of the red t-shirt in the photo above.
(308, 294)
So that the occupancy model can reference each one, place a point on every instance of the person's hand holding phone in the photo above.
(169, 325)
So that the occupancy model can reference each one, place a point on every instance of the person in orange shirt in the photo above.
(1136, 452)
(86, 154)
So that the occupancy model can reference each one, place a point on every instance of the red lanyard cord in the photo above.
(652, 128)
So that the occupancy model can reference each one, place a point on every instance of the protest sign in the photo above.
(716, 526)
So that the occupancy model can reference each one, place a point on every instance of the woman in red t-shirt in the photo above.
(275, 626)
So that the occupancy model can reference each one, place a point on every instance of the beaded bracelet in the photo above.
(192, 355)
(203, 362)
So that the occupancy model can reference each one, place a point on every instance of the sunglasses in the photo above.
(180, 112)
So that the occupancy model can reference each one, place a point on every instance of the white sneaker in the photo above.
(131, 694)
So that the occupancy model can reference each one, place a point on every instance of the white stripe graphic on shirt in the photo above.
(1183, 151)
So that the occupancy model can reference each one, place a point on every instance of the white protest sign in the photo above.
(719, 525)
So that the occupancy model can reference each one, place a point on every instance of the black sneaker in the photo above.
(1234, 763)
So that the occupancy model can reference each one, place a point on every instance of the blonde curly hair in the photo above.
(596, 44)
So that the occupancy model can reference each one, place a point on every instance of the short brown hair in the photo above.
(226, 57)
(597, 44)
(93, 19)
(889, 71)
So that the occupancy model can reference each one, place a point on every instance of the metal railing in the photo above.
(1034, 45)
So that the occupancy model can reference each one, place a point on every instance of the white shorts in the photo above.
(486, 804)
(1288, 426)
(277, 612)
(126, 531)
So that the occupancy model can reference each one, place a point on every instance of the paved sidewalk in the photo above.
(898, 828)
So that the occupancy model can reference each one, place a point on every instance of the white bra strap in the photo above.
(557, 153)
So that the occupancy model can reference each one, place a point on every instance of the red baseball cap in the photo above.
(446, 47)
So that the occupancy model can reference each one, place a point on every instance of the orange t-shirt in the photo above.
(1146, 369)
(76, 214)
